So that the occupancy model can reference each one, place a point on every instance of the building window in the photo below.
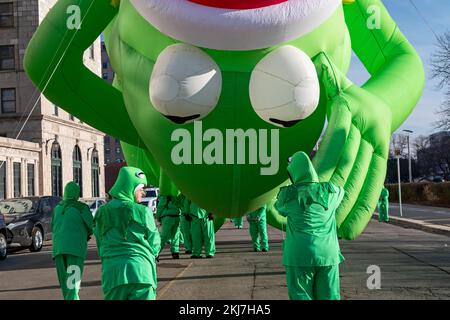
(71, 117)
(8, 100)
(55, 110)
(91, 52)
(77, 168)
(2, 179)
(30, 174)
(107, 150)
(56, 160)
(118, 151)
(107, 140)
(95, 174)
(7, 60)
(17, 179)
(105, 65)
(6, 15)
(105, 76)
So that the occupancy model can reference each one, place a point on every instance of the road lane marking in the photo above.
(167, 286)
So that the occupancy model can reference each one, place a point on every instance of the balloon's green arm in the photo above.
(54, 62)
(397, 74)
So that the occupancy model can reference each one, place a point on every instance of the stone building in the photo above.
(113, 150)
(68, 149)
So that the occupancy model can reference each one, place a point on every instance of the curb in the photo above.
(417, 224)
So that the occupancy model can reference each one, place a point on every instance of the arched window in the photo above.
(56, 163)
(95, 170)
(78, 168)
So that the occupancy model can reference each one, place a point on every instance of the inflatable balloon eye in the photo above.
(284, 88)
(185, 84)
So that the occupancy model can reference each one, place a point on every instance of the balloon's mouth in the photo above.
(236, 25)
(238, 4)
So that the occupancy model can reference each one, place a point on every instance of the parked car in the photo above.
(28, 220)
(94, 204)
(151, 198)
(3, 241)
(438, 179)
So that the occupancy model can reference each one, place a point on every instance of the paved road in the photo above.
(433, 215)
(413, 264)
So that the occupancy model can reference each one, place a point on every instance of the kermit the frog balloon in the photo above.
(212, 97)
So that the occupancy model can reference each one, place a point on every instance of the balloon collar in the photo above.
(238, 4)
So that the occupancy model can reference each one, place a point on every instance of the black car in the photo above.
(3, 241)
(28, 220)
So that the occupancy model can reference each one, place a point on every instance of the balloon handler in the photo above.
(71, 228)
(311, 253)
(258, 229)
(185, 223)
(202, 232)
(168, 214)
(383, 206)
(127, 240)
(238, 222)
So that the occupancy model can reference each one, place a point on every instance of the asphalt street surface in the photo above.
(432, 215)
(413, 265)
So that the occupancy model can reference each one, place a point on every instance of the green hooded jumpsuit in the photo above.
(383, 206)
(238, 222)
(311, 253)
(258, 229)
(168, 213)
(71, 228)
(128, 241)
(202, 232)
(185, 223)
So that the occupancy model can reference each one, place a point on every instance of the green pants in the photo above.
(202, 231)
(258, 229)
(238, 222)
(383, 212)
(170, 232)
(70, 271)
(133, 291)
(185, 227)
(313, 283)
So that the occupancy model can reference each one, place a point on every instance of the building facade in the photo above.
(68, 149)
(112, 148)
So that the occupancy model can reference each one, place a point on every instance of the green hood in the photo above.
(127, 181)
(71, 191)
(301, 170)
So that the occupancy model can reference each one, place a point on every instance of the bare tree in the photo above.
(399, 143)
(440, 64)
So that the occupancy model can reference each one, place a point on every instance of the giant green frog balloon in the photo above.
(212, 97)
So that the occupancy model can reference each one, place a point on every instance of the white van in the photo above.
(151, 195)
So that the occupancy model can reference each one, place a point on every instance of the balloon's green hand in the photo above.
(355, 148)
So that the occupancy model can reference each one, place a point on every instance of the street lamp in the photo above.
(397, 155)
(409, 155)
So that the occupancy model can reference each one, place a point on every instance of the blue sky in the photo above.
(437, 13)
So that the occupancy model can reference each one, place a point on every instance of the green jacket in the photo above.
(71, 224)
(310, 207)
(384, 196)
(168, 207)
(196, 212)
(258, 215)
(126, 234)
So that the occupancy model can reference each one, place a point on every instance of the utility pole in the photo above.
(409, 155)
(397, 155)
